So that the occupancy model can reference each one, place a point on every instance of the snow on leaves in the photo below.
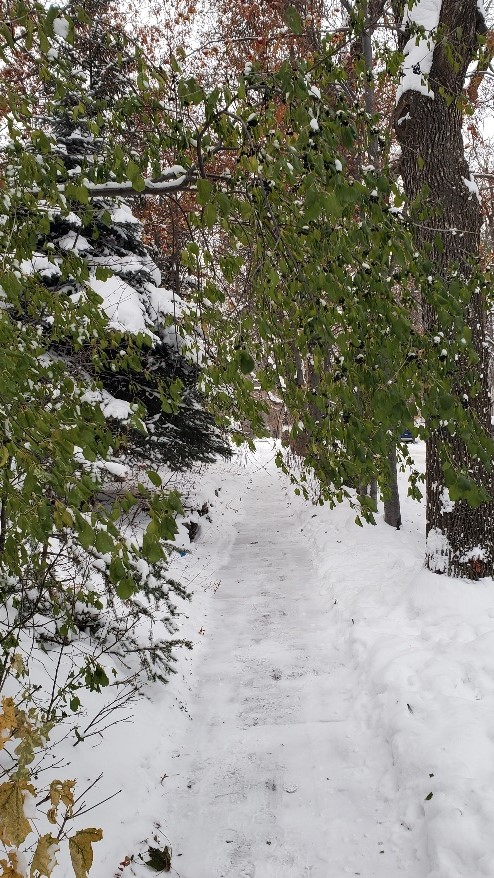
(14, 826)
(44, 859)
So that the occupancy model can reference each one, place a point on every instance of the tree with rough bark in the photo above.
(447, 218)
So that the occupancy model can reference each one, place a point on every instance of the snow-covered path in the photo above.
(282, 772)
(335, 717)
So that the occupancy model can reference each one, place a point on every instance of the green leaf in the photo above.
(293, 20)
(154, 478)
(245, 362)
(151, 548)
(139, 184)
(85, 532)
(95, 677)
(125, 589)
(103, 273)
(209, 215)
(190, 91)
(313, 205)
(51, 15)
(204, 191)
(132, 170)
(81, 194)
(103, 542)
(332, 206)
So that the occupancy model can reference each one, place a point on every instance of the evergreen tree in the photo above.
(153, 373)
(70, 560)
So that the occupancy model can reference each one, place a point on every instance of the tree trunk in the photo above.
(447, 220)
(392, 510)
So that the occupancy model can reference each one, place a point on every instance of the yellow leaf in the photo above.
(17, 665)
(14, 826)
(67, 793)
(81, 852)
(61, 791)
(8, 721)
(44, 860)
(11, 869)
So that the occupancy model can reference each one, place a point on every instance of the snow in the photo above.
(119, 409)
(475, 554)
(122, 304)
(116, 469)
(472, 187)
(74, 241)
(72, 219)
(334, 685)
(274, 398)
(172, 184)
(438, 549)
(129, 265)
(163, 302)
(175, 183)
(173, 171)
(123, 214)
(61, 27)
(419, 50)
(39, 264)
(447, 503)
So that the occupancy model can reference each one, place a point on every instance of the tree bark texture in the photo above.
(392, 509)
(460, 539)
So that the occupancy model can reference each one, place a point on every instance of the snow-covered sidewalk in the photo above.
(334, 687)
(282, 773)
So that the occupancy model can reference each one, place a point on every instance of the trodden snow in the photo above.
(284, 772)
(334, 686)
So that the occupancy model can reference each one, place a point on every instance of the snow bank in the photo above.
(422, 647)
(136, 754)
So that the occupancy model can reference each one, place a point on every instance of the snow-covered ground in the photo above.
(336, 716)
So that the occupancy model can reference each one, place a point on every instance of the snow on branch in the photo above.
(172, 179)
(422, 20)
